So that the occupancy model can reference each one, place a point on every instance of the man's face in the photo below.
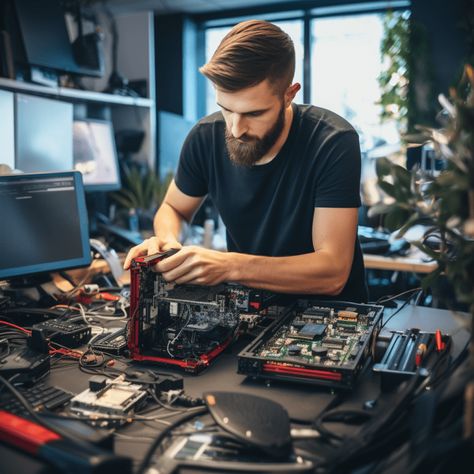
(254, 118)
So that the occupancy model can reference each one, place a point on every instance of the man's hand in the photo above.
(197, 266)
(149, 247)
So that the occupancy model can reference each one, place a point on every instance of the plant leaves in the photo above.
(383, 167)
(431, 279)
(396, 219)
(388, 188)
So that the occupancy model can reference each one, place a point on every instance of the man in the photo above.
(284, 178)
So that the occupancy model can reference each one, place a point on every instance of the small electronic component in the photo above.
(347, 316)
(113, 341)
(64, 332)
(294, 349)
(316, 314)
(311, 331)
(333, 342)
(319, 351)
(110, 400)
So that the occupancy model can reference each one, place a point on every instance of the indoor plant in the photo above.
(141, 193)
(444, 203)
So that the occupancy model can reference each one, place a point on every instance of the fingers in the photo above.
(147, 247)
(171, 245)
(182, 273)
(137, 251)
(153, 246)
(169, 263)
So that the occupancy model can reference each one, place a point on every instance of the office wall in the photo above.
(442, 21)
(169, 63)
(7, 134)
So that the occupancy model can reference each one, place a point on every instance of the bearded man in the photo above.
(284, 178)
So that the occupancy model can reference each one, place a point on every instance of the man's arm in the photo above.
(176, 208)
(324, 271)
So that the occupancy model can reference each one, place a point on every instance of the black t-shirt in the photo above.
(268, 209)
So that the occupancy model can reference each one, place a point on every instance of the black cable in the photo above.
(360, 446)
(405, 303)
(164, 405)
(339, 416)
(384, 299)
(159, 439)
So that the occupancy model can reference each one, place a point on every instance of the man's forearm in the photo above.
(313, 273)
(167, 222)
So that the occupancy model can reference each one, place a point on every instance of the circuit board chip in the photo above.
(312, 331)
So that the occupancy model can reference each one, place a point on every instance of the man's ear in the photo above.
(291, 92)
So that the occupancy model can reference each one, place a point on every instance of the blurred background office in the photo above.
(112, 87)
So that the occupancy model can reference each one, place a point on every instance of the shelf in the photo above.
(75, 94)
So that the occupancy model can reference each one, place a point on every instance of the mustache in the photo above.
(242, 139)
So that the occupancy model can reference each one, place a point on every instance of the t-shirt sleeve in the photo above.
(192, 173)
(338, 183)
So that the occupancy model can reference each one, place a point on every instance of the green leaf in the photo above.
(396, 219)
(431, 279)
(401, 176)
(388, 188)
(383, 167)
(380, 208)
(122, 200)
(426, 250)
(413, 220)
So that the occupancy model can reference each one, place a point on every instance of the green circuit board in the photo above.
(319, 336)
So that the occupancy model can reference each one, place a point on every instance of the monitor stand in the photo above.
(38, 290)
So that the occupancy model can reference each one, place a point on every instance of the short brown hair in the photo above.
(251, 52)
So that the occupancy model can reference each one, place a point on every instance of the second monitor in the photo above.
(95, 154)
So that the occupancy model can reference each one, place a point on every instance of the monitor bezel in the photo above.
(86, 259)
(101, 187)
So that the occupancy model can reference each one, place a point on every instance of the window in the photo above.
(345, 64)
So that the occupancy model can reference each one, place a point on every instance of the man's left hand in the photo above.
(196, 266)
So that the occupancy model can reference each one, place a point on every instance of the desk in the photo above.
(402, 264)
(301, 401)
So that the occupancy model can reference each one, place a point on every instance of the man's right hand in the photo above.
(149, 247)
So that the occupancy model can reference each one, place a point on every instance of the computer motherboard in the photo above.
(317, 342)
(186, 326)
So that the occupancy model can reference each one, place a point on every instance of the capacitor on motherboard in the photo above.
(294, 349)
(319, 351)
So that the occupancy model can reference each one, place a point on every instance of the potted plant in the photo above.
(141, 194)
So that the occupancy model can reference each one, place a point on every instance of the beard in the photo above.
(247, 150)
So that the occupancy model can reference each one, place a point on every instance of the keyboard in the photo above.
(40, 397)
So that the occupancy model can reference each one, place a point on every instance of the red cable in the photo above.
(15, 326)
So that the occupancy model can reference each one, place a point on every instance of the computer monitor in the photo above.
(44, 34)
(95, 155)
(44, 224)
(43, 131)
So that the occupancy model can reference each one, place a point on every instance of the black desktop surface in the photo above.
(302, 402)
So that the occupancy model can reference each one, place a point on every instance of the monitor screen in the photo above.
(44, 223)
(44, 34)
(43, 131)
(95, 155)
